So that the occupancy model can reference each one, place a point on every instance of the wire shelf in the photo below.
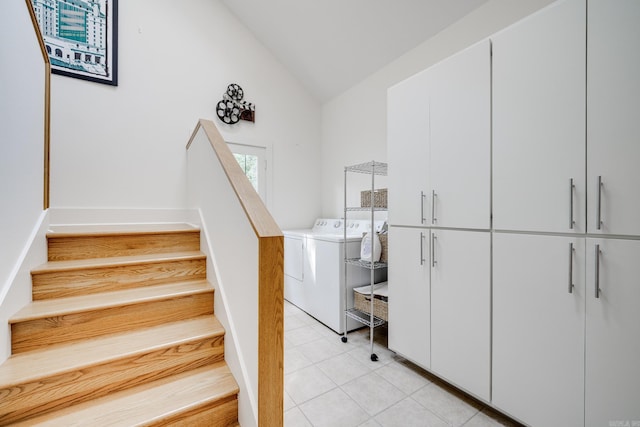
(365, 209)
(364, 318)
(376, 168)
(366, 264)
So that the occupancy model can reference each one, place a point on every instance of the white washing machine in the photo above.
(314, 267)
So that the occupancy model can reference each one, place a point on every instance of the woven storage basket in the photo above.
(363, 303)
(384, 244)
(379, 198)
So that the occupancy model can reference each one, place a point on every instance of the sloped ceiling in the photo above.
(330, 45)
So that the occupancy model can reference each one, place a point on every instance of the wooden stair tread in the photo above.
(118, 229)
(29, 366)
(150, 402)
(57, 266)
(83, 303)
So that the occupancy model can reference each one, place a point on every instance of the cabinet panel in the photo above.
(409, 305)
(613, 132)
(613, 347)
(460, 309)
(460, 110)
(539, 121)
(408, 151)
(538, 328)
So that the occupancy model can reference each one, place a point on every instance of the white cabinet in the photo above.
(438, 141)
(612, 332)
(460, 138)
(460, 309)
(538, 328)
(613, 125)
(409, 303)
(539, 121)
(408, 151)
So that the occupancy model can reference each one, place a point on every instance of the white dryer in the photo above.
(314, 267)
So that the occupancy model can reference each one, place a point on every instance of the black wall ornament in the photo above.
(232, 108)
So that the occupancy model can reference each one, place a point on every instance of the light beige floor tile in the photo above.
(444, 402)
(307, 383)
(288, 402)
(489, 418)
(290, 309)
(295, 418)
(333, 409)
(405, 378)
(370, 423)
(294, 322)
(302, 335)
(323, 330)
(409, 413)
(294, 360)
(373, 393)
(363, 352)
(322, 349)
(343, 368)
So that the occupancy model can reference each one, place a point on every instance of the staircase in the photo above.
(121, 331)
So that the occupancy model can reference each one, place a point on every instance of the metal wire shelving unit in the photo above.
(374, 169)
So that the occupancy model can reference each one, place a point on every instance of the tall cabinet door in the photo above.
(613, 344)
(539, 121)
(408, 276)
(461, 139)
(460, 309)
(538, 328)
(408, 151)
(613, 132)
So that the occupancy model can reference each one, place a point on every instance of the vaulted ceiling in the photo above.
(330, 45)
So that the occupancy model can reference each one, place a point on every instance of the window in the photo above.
(59, 53)
(253, 161)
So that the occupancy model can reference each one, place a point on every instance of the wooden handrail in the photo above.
(270, 281)
(47, 101)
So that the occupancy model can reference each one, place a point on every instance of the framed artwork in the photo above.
(81, 37)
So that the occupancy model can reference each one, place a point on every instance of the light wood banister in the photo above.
(47, 100)
(270, 281)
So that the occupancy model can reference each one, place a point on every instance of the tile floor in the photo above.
(335, 384)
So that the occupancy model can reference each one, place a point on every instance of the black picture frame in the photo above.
(81, 38)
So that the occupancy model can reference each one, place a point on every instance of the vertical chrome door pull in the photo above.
(571, 188)
(422, 260)
(422, 197)
(433, 250)
(597, 271)
(599, 211)
(433, 206)
(571, 268)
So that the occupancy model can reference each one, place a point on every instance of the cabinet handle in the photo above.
(422, 197)
(571, 267)
(571, 188)
(599, 211)
(422, 260)
(433, 250)
(433, 206)
(597, 271)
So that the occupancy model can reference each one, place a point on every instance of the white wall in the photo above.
(354, 123)
(124, 146)
(22, 78)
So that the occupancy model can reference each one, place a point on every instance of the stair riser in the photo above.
(56, 392)
(222, 413)
(39, 333)
(60, 284)
(85, 247)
